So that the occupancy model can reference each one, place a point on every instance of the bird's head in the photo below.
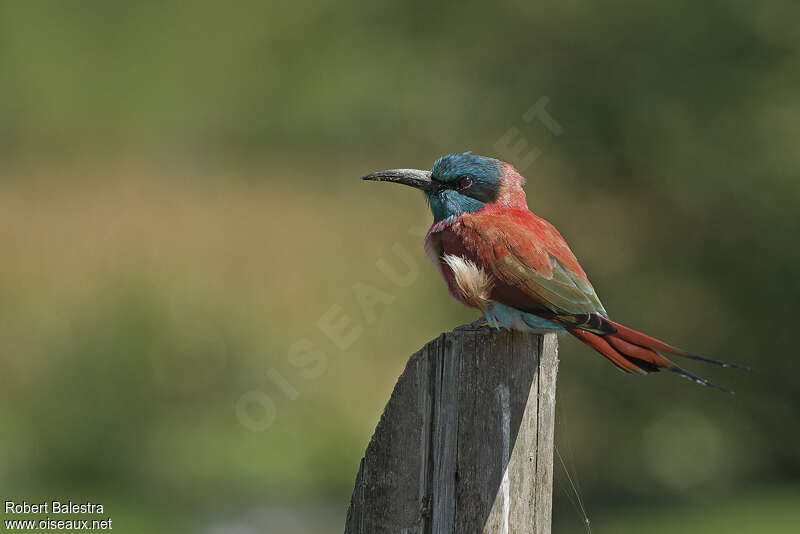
(461, 183)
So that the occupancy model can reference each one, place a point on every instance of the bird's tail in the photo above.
(633, 351)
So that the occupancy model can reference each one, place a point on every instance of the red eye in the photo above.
(464, 182)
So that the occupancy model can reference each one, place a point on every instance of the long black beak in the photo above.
(412, 177)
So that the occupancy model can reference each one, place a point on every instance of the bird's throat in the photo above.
(449, 203)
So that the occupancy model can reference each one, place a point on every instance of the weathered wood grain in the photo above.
(465, 443)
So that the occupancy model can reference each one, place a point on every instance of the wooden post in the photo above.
(465, 443)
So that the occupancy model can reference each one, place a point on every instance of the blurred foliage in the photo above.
(179, 207)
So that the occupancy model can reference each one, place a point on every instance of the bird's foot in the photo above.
(494, 315)
(490, 319)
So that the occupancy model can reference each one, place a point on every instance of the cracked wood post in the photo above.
(465, 443)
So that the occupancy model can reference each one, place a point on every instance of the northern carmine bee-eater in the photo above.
(497, 256)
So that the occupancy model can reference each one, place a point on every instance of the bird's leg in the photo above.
(492, 317)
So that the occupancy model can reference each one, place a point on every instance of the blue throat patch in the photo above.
(465, 183)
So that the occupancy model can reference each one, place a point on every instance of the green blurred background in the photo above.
(180, 207)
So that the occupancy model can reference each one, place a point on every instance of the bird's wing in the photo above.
(526, 254)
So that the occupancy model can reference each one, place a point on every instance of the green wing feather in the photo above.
(564, 292)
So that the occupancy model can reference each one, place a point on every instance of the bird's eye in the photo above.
(464, 182)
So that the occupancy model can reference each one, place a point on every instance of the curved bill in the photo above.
(413, 177)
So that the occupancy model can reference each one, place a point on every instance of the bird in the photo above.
(497, 256)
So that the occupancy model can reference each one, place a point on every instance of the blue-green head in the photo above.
(457, 183)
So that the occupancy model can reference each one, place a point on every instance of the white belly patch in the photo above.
(474, 283)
